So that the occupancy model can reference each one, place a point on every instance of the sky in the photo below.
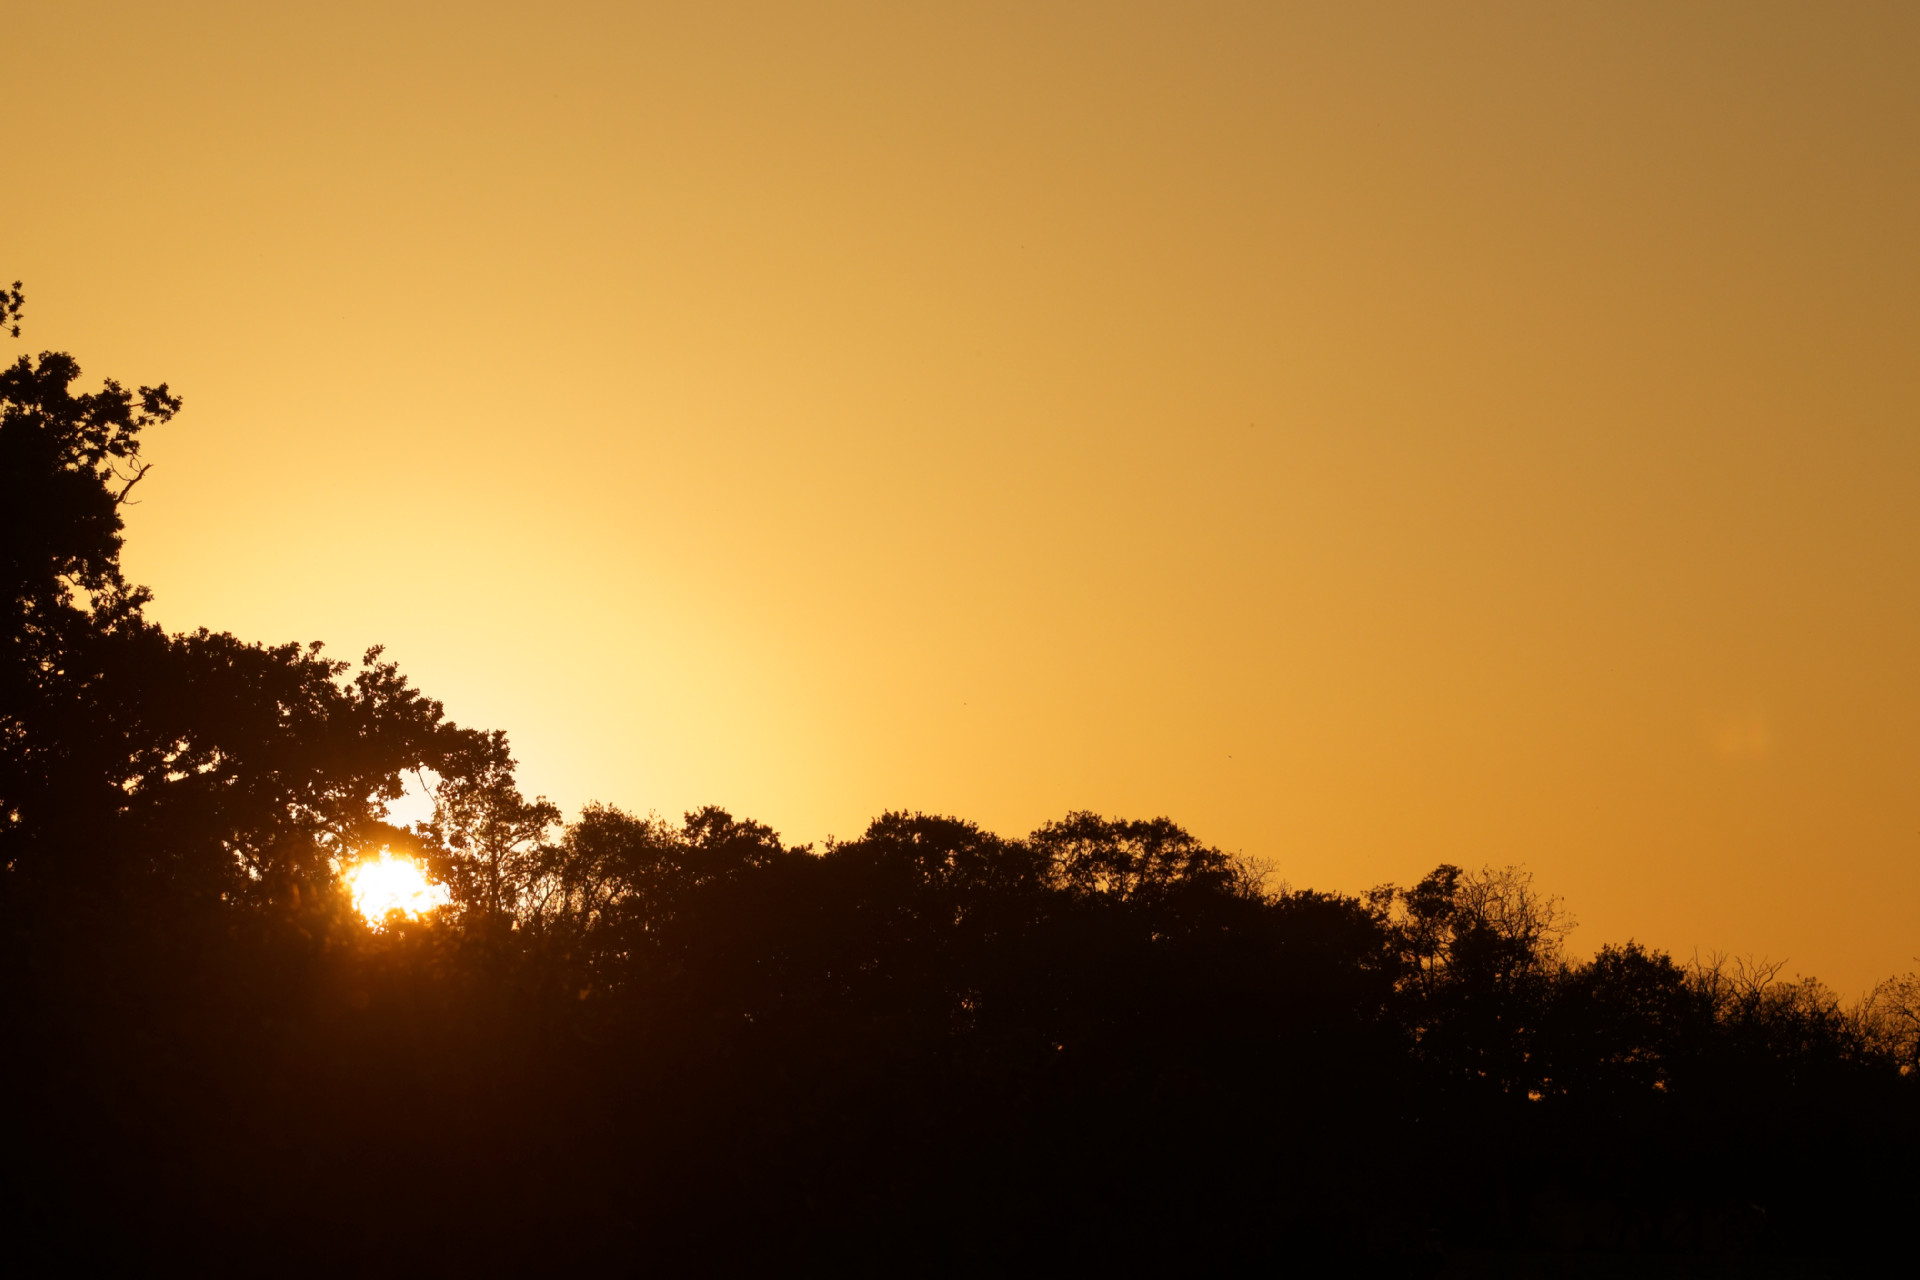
(1371, 435)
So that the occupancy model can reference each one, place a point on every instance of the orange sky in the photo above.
(1370, 435)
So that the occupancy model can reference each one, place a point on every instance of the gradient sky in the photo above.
(1371, 435)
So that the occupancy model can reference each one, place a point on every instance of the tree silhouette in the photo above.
(495, 841)
(637, 1044)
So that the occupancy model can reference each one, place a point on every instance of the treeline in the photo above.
(635, 1045)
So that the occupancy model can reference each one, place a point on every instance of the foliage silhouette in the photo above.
(633, 1044)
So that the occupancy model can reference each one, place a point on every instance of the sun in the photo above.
(387, 884)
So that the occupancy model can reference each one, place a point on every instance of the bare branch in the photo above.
(120, 498)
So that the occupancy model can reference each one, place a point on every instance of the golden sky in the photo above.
(1371, 435)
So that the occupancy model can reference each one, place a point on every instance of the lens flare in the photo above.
(387, 884)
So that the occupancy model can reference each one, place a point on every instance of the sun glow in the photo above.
(387, 884)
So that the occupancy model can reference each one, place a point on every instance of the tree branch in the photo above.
(127, 488)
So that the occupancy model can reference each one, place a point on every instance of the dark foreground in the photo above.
(919, 1052)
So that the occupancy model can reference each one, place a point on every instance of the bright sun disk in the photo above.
(387, 884)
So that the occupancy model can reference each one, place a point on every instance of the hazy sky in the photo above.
(1371, 435)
